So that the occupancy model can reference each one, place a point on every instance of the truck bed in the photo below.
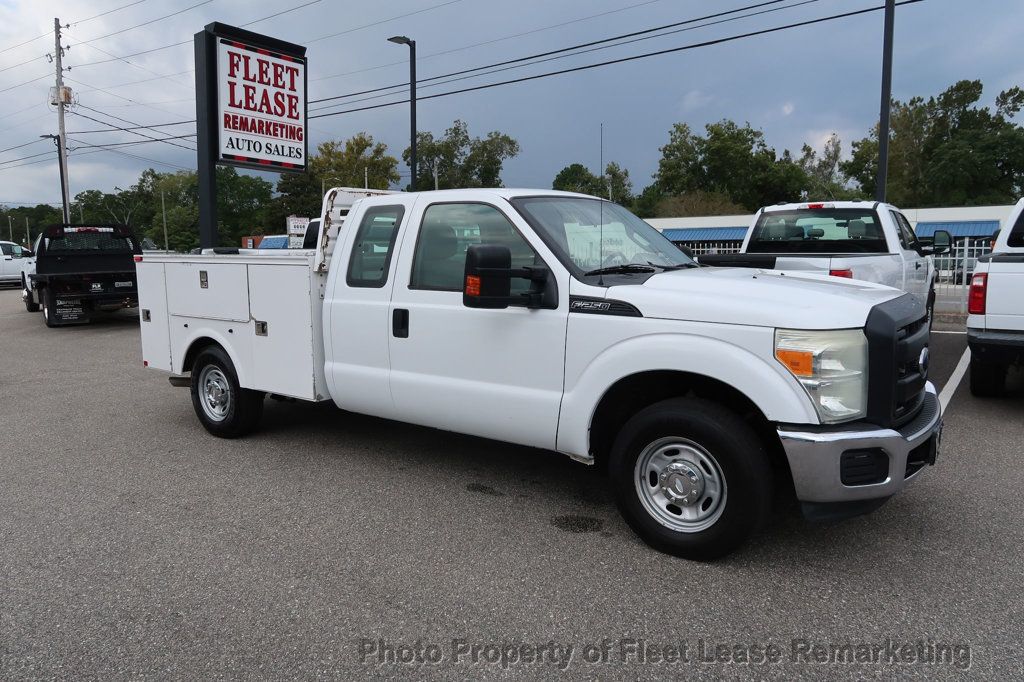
(264, 309)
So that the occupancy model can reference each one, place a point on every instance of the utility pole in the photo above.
(26, 229)
(366, 177)
(163, 207)
(62, 149)
(10, 226)
(886, 106)
(435, 175)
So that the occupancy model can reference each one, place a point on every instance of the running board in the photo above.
(180, 381)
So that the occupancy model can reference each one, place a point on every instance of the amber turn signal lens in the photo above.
(799, 362)
(472, 285)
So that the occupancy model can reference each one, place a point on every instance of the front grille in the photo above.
(897, 332)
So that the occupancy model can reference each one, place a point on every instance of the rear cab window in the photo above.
(85, 240)
(1016, 237)
(829, 230)
(374, 245)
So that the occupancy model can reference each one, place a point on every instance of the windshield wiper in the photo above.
(621, 269)
(680, 266)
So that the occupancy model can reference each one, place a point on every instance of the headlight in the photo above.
(831, 366)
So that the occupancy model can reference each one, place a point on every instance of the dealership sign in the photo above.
(261, 106)
(250, 110)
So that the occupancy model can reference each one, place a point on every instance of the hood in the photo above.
(764, 298)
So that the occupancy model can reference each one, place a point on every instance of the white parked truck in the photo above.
(561, 321)
(863, 240)
(995, 307)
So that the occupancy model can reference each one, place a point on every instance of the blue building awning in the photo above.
(705, 234)
(967, 228)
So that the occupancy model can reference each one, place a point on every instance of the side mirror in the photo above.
(942, 241)
(487, 281)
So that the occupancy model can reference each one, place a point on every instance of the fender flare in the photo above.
(778, 395)
(219, 339)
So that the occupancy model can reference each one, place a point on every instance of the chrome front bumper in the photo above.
(815, 456)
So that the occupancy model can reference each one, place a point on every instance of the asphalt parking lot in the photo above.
(132, 544)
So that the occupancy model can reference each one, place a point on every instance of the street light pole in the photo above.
(403, 40)
(886, 106)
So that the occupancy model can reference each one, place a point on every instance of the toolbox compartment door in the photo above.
(153, 320)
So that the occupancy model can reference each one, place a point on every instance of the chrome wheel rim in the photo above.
(680, 484)
(214, 393)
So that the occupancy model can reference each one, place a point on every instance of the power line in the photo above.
(563, 50)
(150, 127)
(21, 145)
(33, 80)
(26, 157)
(27, 61)
(109, 11)
(108, 148)
(30, 40)
(127, 99)
(83, 145)
(148, 23)
(137, 66)
(133, 132)
(189, 42)
(492, 41)
(586, 67)
(383, 21)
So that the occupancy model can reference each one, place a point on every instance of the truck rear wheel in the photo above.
(225, 409)
(691, 478)
(988, 379)
(49, 302)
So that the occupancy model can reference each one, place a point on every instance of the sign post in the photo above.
(250, 110)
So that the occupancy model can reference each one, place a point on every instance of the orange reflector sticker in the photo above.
(799, 362)
(472, 285)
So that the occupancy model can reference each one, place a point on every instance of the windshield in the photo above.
(833, 230)
(590, 234)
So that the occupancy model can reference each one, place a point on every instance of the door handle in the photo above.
(400, 323)
(917, 265)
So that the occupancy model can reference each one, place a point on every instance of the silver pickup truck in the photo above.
(863, 240)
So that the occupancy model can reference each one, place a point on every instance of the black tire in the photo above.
(49, 302)
(931, 308)
(988, 379)
(30, 303)
(243, 408)
(732, 445)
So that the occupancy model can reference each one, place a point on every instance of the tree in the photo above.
(729, 160)
(824, 173)
(357, 159)
(459, 160)
(577, 178)
(948, 150)
(696, 203)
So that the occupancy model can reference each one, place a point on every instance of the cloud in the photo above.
(788, 108)
(695, 99)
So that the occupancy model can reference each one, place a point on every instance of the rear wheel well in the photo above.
(634, 393)
(197, 347)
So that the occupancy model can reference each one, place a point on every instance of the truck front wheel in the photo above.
(225, 409)
(691, 478)
(30, 304)
(988, 379)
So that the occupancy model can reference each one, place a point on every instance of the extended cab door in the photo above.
(915, 266)
(491, 373)
(356, 310)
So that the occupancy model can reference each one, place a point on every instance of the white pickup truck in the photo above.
(561, 321)
(855, 239)
(995, 307)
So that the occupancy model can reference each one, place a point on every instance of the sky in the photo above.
(796, 85)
